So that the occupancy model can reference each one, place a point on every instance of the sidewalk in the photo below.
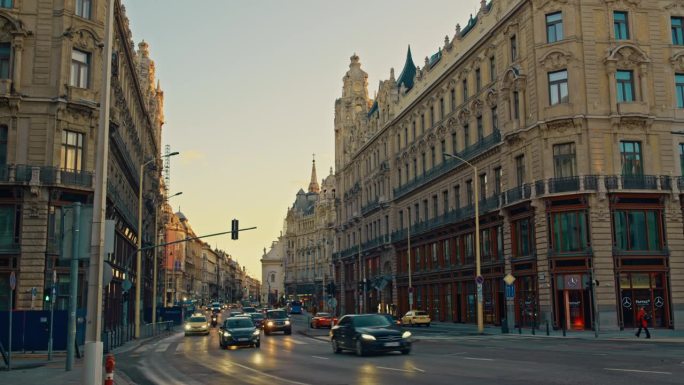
(657, 335)
(35, 369)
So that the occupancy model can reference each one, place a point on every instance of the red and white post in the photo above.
(109, 369)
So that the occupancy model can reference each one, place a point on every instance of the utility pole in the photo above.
(410, 285)
(73, 283)
(92, 371)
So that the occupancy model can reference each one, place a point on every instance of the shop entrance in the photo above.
(647, 289)
(573, 301)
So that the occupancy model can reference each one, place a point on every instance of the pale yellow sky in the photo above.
(250, 88)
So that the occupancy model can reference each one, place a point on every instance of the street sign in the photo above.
(54, 276)
(509, 279)
(479, 292)
(479, 280)
(126, 285)
(13, 281)
(510, 292)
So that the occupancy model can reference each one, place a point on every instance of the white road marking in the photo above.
(162, 347)
(395, 369)
(296, 342)
(478, 359)
(321, 358)
(420, 370)
(636, 371)
(143, 348)
(280, 379)
(179, 348)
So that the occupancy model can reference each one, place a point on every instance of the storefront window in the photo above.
(647, 290)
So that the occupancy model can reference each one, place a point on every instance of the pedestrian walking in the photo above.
(642, 321)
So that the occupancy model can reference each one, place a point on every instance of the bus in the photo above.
(296, 307)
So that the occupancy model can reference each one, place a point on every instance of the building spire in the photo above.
(313, 185)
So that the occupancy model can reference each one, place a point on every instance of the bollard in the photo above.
(547, 327)
(109, 369)
(520, 328)
(504, 326)
(563, 329)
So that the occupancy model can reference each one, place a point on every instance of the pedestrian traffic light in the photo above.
(234, 229)
(47, 297)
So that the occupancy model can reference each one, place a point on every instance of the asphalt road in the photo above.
(436, 358)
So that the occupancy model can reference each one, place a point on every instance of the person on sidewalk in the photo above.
(642, 321)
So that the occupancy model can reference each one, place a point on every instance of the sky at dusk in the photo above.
(250, 88)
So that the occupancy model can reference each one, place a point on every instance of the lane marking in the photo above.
(162, 347)
(269, 375)
(456, 354)
(296, 342)
(321, 358)
(636, 371)
(143, 348)
(395, 369)
(420, 370)
(179, 348)
(478, 359)
(600, 354)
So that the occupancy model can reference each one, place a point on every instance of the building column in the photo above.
(18, 45)
(675, 242)
(600, 232)
(612, 87)
(544, 276)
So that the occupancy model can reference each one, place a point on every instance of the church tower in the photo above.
(350, 111)
(313, 185)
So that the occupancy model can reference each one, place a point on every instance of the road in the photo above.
(436, 358)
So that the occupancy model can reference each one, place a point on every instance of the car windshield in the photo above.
(239, 323)
(371, 320)
(198, 319)
(421, 313)
(277, 314)
(257, 316)
(248, 309)
(322, 314)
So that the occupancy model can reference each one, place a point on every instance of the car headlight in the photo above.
(204, 326)
(367, 337)
(287, 322)
(270, 323)
(187, 327)
(256, 333)
(226, 334)
(406, 334)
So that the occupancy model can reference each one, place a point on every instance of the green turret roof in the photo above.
(408, 73)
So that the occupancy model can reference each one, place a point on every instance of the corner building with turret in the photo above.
(571, 113)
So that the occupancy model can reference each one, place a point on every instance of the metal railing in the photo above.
(567, 184)
(118, 336)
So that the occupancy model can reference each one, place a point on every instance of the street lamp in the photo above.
(138, 264)
(478, 273)
(154, 279)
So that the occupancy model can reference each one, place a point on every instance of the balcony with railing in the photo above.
(561, 185)
(449, 164)
(371, 206)
(517, 194)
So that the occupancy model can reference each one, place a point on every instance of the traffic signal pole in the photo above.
(73, 282)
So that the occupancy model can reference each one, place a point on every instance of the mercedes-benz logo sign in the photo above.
(572, 282)
(659, 302)
(626, 302)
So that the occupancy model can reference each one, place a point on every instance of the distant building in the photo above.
(273, 274)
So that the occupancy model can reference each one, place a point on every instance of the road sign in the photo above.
(479, 292)
(54, 276)
(126, 285)
(479, 280)
(13, 281)
(510, 292)
(509, 279)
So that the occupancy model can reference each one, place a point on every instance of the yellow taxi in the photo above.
(197, 324)
(416, 317)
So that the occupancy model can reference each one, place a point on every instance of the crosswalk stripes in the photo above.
(143, 349)
(162, 347)
(180, 347)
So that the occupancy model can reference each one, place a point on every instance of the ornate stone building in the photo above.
(50, 84)
(308, 241)
(571, 112)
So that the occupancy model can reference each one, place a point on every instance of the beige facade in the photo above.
(308, 242)
(570, 112)
(50, 84)
(272, 273)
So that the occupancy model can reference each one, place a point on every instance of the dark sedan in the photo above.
(276, 321)
(239, 331)
(369, 333)
(258, 320)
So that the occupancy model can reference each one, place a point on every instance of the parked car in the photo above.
(416, 317)
(322, 319)
(239, 331)
(276, 321)
(369, 333)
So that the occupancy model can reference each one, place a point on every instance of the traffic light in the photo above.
(47, 297)
(234, 228)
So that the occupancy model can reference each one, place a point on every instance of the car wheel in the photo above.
(335, 346)
(406, 351)
(359, 349)
(257, 345)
